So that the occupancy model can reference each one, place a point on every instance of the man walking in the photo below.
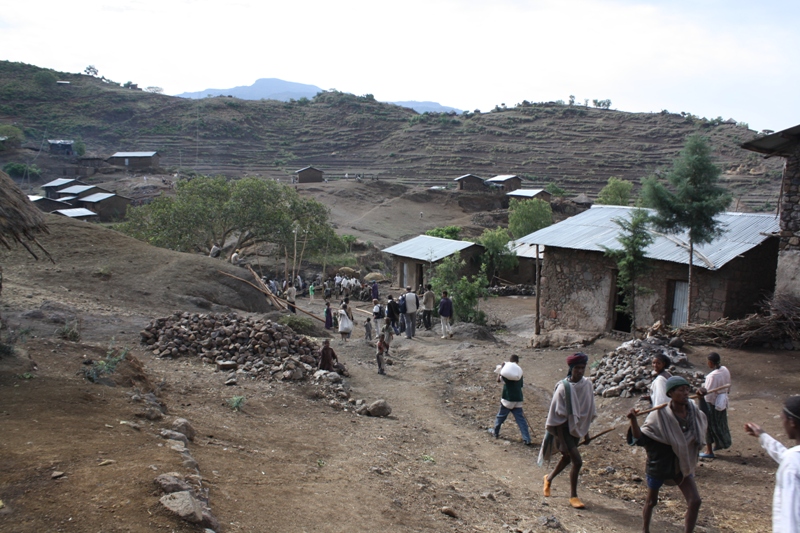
(571, 413)
(510, 374)
(412, 304)
(428, 301)
(446, 314)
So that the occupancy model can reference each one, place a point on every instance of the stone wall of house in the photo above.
(577, 288)
(788, 275)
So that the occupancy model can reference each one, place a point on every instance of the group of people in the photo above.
(675, 434)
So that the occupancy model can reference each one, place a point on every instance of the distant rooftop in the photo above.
(97, 197)
(60, 141)
(427, 248)
(76, 189)
(501, 178)
(58, 183)
(134, 154)
(308, 167)
(525, 193)
(76, 212)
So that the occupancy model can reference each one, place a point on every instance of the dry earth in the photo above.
(289, 461)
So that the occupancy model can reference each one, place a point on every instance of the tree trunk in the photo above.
(689, 288)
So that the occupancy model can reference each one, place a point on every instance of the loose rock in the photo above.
(184, 505)
(379, 408)
(181, 425)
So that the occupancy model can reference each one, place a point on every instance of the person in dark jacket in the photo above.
(446, 314)
(393, 313)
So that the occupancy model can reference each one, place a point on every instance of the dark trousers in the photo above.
(426, 319)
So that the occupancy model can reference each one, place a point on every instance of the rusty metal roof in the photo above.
(780, 143)
(595, 228)
(427, 248)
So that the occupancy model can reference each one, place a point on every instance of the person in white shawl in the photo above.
(658, 387)
(718, 436)
(571, 413)
(786, 499)
(672, 436)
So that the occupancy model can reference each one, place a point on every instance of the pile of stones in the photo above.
(238, 345)
(627, 371)
(513, 290)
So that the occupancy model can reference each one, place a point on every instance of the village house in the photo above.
(530, 194)
(78, 213)
(108, 206)
(507, 182)
(470, 182)
(579, 289)
(309, 175)
(51, 188)
(76, 192)
(786, 144)
(414, 258)
(60, 146)
(47, 205)
(135, 160)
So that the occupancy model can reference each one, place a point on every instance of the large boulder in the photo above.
(379, 408)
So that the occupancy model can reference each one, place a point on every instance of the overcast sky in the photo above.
(730, 58)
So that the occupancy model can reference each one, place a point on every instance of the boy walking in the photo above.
(510, 374)
(384, 340)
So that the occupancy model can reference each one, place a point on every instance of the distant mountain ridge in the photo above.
(277, 89)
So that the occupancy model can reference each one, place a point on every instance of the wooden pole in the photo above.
(537, 326)
(266, 290)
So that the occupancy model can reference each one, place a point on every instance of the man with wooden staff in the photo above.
(571, 413)
(673, 435)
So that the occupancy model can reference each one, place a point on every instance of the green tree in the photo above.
(446, 232)
(634, 238)
(496, 254)
(602, 104)
(693, 201)
(466, 292)
(527, 216)
(91, 70)
(13, 135)
(21, 170)
(616, 192)
(348, 241)
(45, 79)
(555, 190)
(80, 147)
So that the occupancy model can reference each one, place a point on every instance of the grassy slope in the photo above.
(576, 147)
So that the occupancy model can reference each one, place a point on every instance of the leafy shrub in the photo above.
(69, 332)
(45, 79)
(104, 367)
(300, 324)
(236, 403)
(20, 170)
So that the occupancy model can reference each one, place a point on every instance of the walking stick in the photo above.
(656, 408)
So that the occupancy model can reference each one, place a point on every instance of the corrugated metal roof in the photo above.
(427, 248)
(58, 183)
(75, 189)
(781, 143)
(97, 197)
(501, 178)
(60, 141)
(525, 249)
(306, 168)
(525, 193)
(595, 228)
(467, 176)
(134, 154)
(76, 213)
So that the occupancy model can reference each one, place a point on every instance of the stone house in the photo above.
(414, 258)
(108, 206)
(786, 144)
(470, 182)
(508, 182)
(579, 289)
(60, 146)
(309, 175)
(135, 160)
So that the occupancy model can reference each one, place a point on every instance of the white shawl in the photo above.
(583, 411)
(718, 378)
(663, 426)
(658, 390)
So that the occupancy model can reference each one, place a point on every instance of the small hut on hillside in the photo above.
(309, 175)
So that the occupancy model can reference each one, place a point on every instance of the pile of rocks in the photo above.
(627, 371)
(513, 290)
(239, 345)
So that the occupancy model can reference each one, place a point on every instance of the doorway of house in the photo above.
(678, 313)
(622, 321)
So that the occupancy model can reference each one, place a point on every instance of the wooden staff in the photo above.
(656, 408)
(279, 300)
(693, 397)
(266, 290)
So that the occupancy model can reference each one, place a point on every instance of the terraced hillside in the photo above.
(576, 147)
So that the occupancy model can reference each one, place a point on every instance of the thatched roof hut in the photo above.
(20, 220)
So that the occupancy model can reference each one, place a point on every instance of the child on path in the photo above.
(446, 314)
(510, 374)
(384, 340)
(368, 330)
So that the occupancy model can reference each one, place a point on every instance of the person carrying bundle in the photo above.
(510, 374)
(571, 413)
(673, 436)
